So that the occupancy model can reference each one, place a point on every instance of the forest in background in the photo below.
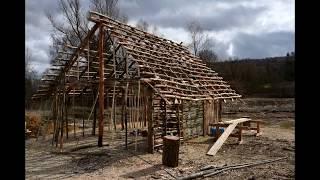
(272, 77)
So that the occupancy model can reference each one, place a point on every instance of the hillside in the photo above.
(269, 77)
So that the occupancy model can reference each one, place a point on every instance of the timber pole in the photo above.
(101, 85)
(94, 115)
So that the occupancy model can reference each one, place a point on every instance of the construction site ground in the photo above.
(82, 159)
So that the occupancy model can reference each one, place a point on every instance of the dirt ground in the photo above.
(82, 159)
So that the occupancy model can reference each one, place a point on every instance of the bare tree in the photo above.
(142, 25)
(73, 28)
(107, 7)
(201, 44)
(75, 25)
(197, 36)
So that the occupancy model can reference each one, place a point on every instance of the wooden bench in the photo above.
(248, 125)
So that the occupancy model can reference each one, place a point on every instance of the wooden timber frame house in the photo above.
(135, 80)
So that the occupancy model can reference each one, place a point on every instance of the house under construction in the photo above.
(135, 80)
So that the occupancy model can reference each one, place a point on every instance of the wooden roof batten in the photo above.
(169, 68)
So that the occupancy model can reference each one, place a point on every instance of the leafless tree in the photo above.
(75, 24)
(197, 36)
(73, 28)
(107, 7)
(201, 44)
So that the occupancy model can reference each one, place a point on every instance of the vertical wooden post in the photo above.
(56, 133)
(165, 117)
(88, 58)
(240, 133)
(107, 106)
(62, 117)
(150, 122)
(214, 111)
(130, 110)
(134, 108)
(182, 128)
(217, 135)
(94, 114)
(205, 118)
(126, 113)
(145, 109)
(67, 123)
(122, 110)
(54, 113)
(101, 85)
(220, 111)
(82, 104)
(178, 119)
(113, 113)
(58, 118)
(74, 117)
(138, 104)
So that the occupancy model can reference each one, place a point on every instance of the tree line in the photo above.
(267, 77)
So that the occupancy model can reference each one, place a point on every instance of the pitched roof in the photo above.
(168, 67)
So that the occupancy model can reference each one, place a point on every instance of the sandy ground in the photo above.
(113, 161)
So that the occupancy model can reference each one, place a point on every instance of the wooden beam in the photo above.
(150, 121)
(240, 120)
(126, 113)
(217, 145)
(94, 117)
(101, 86)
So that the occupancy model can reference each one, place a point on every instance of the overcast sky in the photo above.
(241, 28)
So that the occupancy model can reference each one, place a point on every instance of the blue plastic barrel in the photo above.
(213, 131)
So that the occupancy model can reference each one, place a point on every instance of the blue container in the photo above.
(213, 131)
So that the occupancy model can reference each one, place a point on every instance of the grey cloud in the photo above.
(231, 18)
(221, 49)
(177, 13)
(213, 15)
(263, 45)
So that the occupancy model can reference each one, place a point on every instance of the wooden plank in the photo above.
(240, 120)
(217, 145)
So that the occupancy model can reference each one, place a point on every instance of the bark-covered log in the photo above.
(170, 155)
